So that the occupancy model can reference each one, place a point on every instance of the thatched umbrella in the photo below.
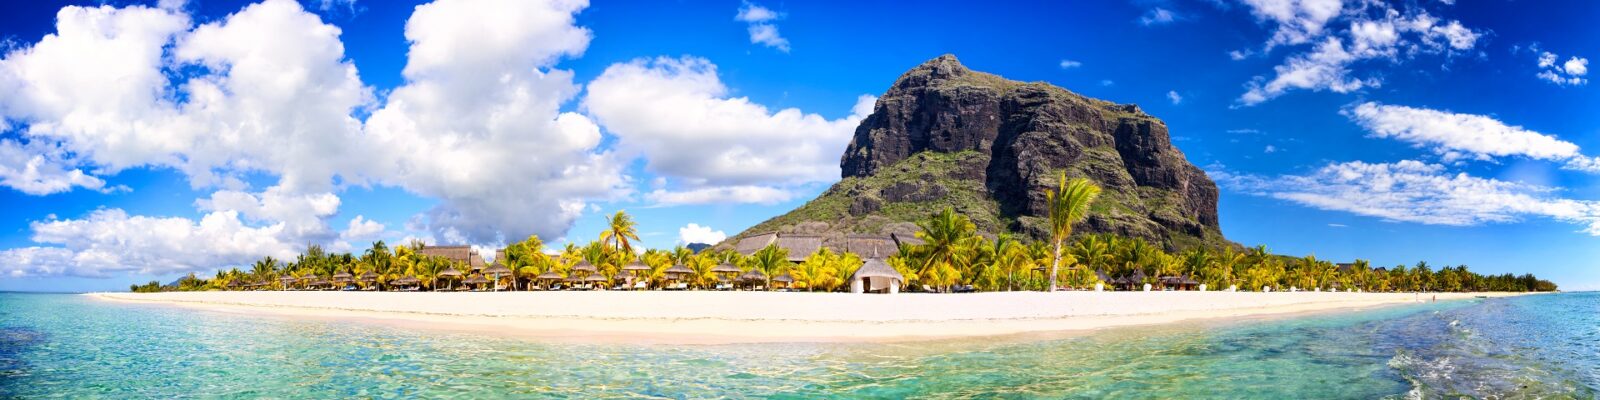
(407, 281)
(286, 281)
(633, 268)
(497, 270)
(475, 280)
(678, 269)
(753, 276)
(549, 276)
(725, 268)
(342, 276)
(785, 279)
(584, 266)
(451, 272)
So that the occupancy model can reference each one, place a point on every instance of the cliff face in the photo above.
(945, 135)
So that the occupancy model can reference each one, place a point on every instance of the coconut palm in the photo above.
(1069, 203)
(621, 232)
(950, 245)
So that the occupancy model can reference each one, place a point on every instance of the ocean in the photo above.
(1542, 346)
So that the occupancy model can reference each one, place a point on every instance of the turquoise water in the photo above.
(1545, 346)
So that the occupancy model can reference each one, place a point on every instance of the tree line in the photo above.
(953, 255)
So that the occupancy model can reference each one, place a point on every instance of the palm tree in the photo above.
(1069, 203)
(265, 268)
(950, 245)
(620, 231)
(770, 260)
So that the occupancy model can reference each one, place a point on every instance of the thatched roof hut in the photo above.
(465, 255)
(871, 246)
(876, 276)
(752, 244)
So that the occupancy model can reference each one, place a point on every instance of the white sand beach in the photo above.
(738, 317)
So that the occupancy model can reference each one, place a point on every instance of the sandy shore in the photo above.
(731, 317)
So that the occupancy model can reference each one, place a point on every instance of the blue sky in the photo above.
(143, 139)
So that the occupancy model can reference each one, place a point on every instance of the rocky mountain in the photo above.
(944, 135)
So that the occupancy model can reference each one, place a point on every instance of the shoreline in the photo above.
(769, 317)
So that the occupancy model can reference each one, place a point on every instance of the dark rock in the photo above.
(1012, 138)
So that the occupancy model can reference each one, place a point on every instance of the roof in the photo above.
(799, 246)
(497, 268)
(872, 246)
(1345, 267)
(461, 254)
(876, 268)
(906, 240)
(750, 245)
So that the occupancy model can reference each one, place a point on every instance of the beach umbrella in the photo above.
(679, 269)
(753, 275)
(549, 275)
(636, 266)
(785, 278)
(286, 281)
(585, 266)
(497, 270)
(594, 278)
(342, 276)
(451, 272)
(369, 276)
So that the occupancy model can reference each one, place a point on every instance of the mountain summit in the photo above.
(989, 147)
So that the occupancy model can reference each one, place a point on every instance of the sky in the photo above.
(143, 140)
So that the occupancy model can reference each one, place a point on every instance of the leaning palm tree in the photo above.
(621, 231)
(1069, 203)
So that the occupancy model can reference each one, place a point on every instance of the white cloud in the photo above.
(275, 95)
(32, 169)
(1454, 136)
(762, 29)
(110, 241)
(694, 233)
(1157, 16)
(1569, 73)
(1070, 64)
(1107, 82)
(1270, 149)
(302, 215)
(1413, 191)
(361, 228)
(1174, 97)
(1375, 32)
(722, 195)
(1297, 21)
(679, 116)
(478, 122)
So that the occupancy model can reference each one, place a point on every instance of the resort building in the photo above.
(802, 245)
(463, 255)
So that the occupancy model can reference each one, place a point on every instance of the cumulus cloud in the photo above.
(1174, 97)
(1569, 73)
(478, 122)
(677, 114)
(694, 233)
(1455, 136)
(268, 91)
(1375, 31)
(274, 94)
(1413, 191)
(361, 228)
(109, 241)
(762, 27)
(33, 169)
